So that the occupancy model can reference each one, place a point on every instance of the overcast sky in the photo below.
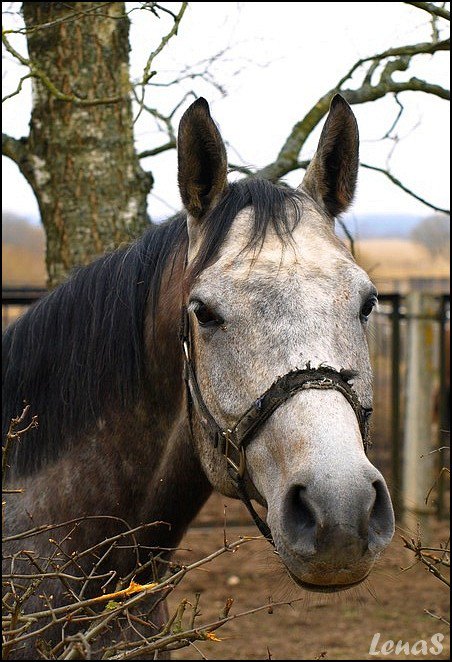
(286, 55)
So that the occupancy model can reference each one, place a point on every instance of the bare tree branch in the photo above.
(432, 562)
(396, 121)
(166, 120)
(394, 180)
(18, 88)
(147, 73)
(348, 235)
(199, 69)
(398, 183)
(431, 9)
(17, 150)
(20, 626)
(171, 144)
(411, 49)
(412, 85)
(287, 159)
(436, 617)
(244, 170)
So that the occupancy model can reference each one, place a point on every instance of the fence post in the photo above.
(395, 406)
(443, 405)
(418, 465)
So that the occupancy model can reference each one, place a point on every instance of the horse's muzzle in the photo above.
(329, 534)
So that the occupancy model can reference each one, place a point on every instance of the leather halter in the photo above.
(233, 441)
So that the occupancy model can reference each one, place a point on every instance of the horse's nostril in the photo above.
(305, 511)
(301, 511)
(381, 516)
(300, 521)
(378, 504)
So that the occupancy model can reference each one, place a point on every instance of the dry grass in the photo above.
(23, 266)
(399, 258)
(383, 259)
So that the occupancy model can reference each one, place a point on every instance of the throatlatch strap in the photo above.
(259, 522)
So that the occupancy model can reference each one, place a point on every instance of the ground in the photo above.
(334, 627)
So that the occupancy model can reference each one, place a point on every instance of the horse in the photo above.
(224, 350)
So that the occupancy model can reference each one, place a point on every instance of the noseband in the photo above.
(232, 442)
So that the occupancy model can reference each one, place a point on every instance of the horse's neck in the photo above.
(179, 489)
(179, 486)
(138, 465)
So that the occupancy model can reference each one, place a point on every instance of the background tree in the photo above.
(79, 156)
(433, 232)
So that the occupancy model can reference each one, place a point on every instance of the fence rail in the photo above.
(21, 296)
(16, 299)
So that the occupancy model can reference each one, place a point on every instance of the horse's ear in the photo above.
(331, 176)
(202, 161)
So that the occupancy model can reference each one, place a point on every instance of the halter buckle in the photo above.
(229, 443)
(186, 350)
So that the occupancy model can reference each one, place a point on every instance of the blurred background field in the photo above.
(399, 253)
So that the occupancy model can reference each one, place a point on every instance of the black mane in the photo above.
(79, 352)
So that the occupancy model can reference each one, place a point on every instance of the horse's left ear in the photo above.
(331, 176)
(202, 161)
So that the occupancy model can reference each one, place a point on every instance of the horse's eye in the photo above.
(367, 307)
(206, 316)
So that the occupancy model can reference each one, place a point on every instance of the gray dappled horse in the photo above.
(225, 349)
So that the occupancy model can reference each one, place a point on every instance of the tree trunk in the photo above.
(81, 161)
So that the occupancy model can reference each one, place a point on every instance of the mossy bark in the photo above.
(82, 163)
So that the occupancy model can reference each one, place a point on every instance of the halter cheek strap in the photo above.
(232, 442)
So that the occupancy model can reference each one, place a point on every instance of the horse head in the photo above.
(276, 358)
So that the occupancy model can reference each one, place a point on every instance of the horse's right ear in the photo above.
(202, 161)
